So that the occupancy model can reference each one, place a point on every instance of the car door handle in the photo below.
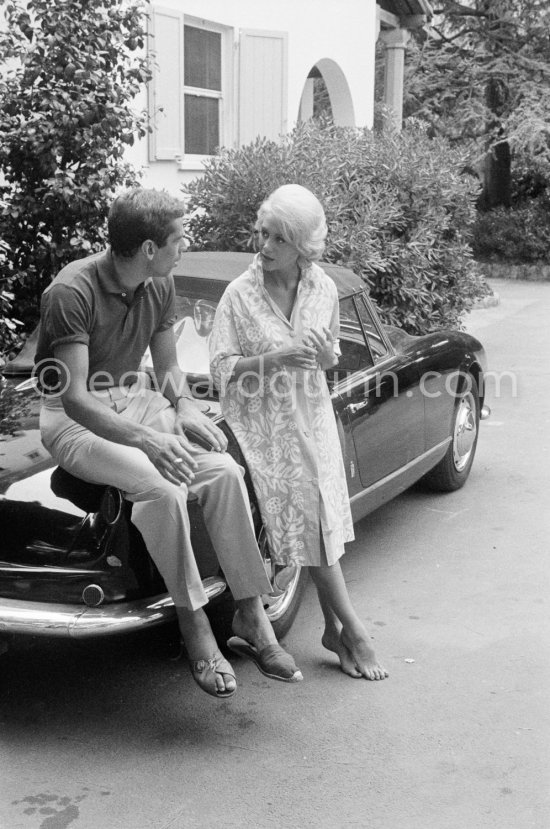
(353, 408)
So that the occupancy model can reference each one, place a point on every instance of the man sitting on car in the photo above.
(103, 424)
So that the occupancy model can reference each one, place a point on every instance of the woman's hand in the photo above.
(190, 422)
(323, 345)
(300, 355)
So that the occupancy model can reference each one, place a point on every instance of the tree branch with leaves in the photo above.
(71, 72)
(481, 74)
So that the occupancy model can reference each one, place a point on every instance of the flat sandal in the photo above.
(204, 673)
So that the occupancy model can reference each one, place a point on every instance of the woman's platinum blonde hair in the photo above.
(301, 218)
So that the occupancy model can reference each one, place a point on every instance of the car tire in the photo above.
(451, 473)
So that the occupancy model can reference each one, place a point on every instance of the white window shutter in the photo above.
(166, 89)
(263, 68)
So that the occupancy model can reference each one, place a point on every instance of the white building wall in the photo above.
(341, 32)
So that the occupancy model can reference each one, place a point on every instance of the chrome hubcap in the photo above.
(284, 580)
(465, 431)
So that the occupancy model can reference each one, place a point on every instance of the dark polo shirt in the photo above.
(85, 304)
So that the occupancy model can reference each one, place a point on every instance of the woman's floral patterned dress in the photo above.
(283, 419)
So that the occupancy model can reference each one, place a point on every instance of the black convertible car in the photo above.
(72, 564)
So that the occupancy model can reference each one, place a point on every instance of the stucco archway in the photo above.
(338, 92)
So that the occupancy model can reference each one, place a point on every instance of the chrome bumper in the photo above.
(19, 617)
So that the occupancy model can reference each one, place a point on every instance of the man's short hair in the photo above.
(140, 214)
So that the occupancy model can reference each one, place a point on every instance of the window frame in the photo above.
(238, 113)
(364, 313)
(194, 161)
(353, 333)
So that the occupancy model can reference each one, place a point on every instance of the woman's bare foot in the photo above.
(332, 642)
(356, 657)
(363, 656)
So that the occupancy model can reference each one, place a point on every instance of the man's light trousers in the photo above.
(160, 507)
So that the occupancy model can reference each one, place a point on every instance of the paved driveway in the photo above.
(455, 590)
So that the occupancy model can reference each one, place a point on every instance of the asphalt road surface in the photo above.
(455, 591)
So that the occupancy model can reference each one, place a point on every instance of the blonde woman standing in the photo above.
(275, 332)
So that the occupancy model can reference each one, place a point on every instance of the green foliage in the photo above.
(15, 407)
(521, 233)
(516, 235)
(399, 212)
(70, 72)
(482, 72)
(480, 75)
(9, 327)
(530, 176)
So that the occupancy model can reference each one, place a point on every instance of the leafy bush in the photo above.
(521, 233)
(70, 72)
(9, 327)
(399, 212)
(15, 408)
(515, 234)
(530, 178)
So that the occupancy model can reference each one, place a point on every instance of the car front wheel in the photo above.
(289, 583)
(453, 469)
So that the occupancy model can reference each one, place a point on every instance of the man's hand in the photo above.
(171, 455)
(190, 420)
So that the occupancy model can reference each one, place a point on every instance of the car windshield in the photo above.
(361, 343)
(193, 329)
